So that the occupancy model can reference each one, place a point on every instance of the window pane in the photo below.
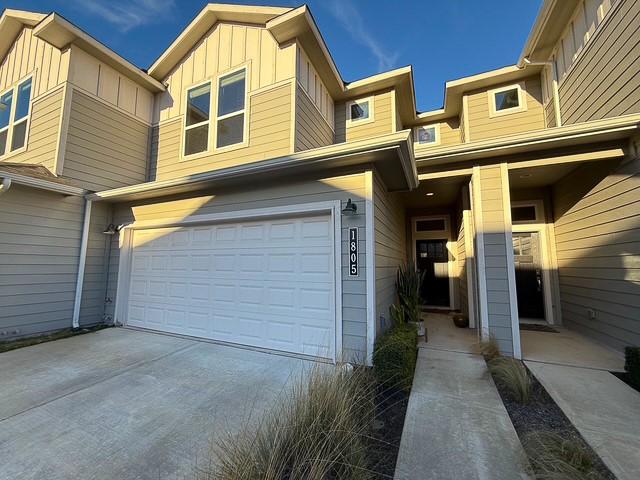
(522, 214)
(198, 104)
(24, 97)
(196, 139)
(427, 135)
(19, 135)
(230, 130)
(436, 225)
(507, 99)
(5, 108)
(231, 93)
(3, 141)
(359, 111)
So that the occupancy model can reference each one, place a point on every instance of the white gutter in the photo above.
(81, 264)
(42, 184)
(5, 185)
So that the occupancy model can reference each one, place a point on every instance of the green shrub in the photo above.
(394, 357)
(558, 456)
(632, 364)
(513, 375)
(318, 432)
(408, 282)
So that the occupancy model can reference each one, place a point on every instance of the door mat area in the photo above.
(535, 327)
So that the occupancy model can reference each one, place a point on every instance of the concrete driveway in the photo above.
(129, 405)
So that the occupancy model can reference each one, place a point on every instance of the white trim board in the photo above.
(370, 264)
(331, 207)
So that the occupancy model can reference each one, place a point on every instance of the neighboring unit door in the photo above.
(528, 264)
(432, 258)
(267, 283)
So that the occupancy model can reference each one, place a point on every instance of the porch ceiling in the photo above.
(536, 177)
(446, 192)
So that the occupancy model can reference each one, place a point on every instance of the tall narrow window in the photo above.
(231, 109)
(6, 101)
(15, 107)
(21, 116)
(196, 129)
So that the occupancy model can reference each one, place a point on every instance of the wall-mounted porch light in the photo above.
(429, 194)
(350, 208)
(111, 229)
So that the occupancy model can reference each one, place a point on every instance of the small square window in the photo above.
(507, 99)
(360, 111)
(426, 135)
(525, 213)
(434, 225)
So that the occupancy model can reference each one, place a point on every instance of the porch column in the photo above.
(497, 301)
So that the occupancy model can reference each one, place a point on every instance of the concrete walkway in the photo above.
(604, 409)
(123, 404)
(456, 425)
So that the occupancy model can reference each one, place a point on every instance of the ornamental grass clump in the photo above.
(513, 376)
(408, 282)
(319, 432)
(555, 456)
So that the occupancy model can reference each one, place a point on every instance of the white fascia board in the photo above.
(43, 184)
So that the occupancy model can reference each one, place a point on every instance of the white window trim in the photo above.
(436, 127)
(538, 207)
(522, 100)
(216, 119)
(361, 121)
(190, 127)
(10, 127)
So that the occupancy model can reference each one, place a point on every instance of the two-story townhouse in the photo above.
(241, 191)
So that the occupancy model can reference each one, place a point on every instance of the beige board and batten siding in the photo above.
(604, 81)
(483, 126)
(342, 188)
(383, 119)
(494, 226)
(312, 129)
(100, 80)
(270, 117)
(105, 148)
(28, 55)
(597, 234)
(43, 135)
(39, 244)
(390, 248)
(222, 49)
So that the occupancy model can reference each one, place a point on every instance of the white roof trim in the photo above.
(42, 184)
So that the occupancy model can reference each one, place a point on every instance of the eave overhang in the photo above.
(61, 33)
(42, 184)
(11, 24)
(204, 21)
(392, 156)
(552, 138)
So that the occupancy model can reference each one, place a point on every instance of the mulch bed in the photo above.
(8, 345)
(542, 414)
(384, 444)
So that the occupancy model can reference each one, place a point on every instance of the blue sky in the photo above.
(443, 40)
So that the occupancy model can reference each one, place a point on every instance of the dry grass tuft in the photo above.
(512, 375)
(318, 433)
(559, 457)
(489, 349)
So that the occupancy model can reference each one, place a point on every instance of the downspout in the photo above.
(81, 264)
(5, 185)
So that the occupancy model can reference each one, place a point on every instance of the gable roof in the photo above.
(11, 24)
(204, 21)
(59, 32)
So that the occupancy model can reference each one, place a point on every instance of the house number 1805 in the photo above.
(353, 252)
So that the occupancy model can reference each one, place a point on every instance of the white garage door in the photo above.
(267, 283)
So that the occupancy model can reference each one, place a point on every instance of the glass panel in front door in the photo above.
(432, 258)
(528, 265)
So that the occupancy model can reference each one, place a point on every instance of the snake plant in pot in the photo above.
(408, 282)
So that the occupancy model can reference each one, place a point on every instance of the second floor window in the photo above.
(507, 99)
(15, 107)
(196, 129)
(231, 109)
(427, 135)
(360, 111)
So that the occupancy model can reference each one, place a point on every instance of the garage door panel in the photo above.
(266, 284)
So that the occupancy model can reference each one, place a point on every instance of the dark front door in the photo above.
(432, 259)
(526, 253)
